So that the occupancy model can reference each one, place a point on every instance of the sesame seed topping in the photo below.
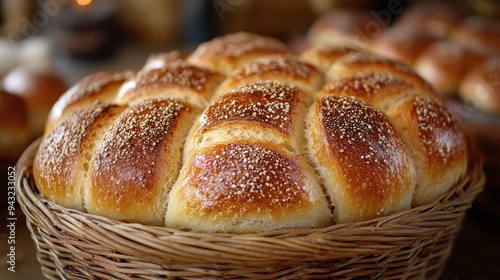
(268, 102)
(248, 178)
(131, 146)
(238, 44)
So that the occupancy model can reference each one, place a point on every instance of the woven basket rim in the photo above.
(149, 241)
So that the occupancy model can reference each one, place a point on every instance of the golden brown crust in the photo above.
(401, 44)
(287, 69)
(363, 61)
(267, 111)
(436, 142)
(481, 86)
(100, 86)
(197, 84)
(246, 187)
(226, 52)
(160, 60)
(379, 137)
(323, 56)
(444, 63)
(362, 159)
(127, 174)
(378, 89)
(63, 158)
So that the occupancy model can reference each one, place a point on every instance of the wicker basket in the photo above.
(407, 245)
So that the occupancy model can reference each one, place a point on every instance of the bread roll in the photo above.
(137, 161)
(379, 89)
(100, 86)
(436, 143)
(361, 61)
(177, 79)
(288, 69)
(401, 44)
(246, 186)
(444, 63)
(39, 89)
(268, 111)
(481, 86)
(64, 158)
(267, 145)
(478, 31)
(323, 56)
(14, 126)
(437, 19)
(354, 26)
(224, 53)
(361, 158)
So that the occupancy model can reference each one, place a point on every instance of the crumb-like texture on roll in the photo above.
(241, 136)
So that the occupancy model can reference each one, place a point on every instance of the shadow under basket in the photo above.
(412, 244)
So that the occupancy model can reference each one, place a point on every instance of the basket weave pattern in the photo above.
(413, 244)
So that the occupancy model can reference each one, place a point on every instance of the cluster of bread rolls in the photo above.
(244, 136)
(456, 53)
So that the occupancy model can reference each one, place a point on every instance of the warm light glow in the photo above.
(83, 2)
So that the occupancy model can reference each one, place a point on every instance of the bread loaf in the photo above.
(242, 136)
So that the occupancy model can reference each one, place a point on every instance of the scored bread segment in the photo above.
(361, 158)
(436, 143)
(61, 165)
(244, 187)
(223, 54)
(138, 160)
(283, 68)
(100, 86)
(262, 111)
(176, 79)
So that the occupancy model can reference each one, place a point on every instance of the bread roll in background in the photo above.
(478, 31)
(323, 56)
(481, 86)
(14, 126)
(435, 19)
(401, 44)
(351, 26)
(444, 63)
(40, 89)
(244, 137)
